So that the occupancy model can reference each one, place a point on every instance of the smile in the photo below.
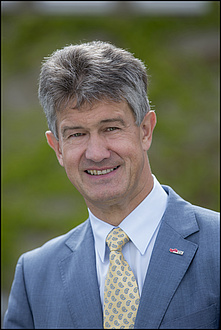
(101, 172)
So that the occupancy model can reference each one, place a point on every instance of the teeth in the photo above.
(95, 172)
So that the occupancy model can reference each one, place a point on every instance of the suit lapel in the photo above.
(167, 269)
(79, 277)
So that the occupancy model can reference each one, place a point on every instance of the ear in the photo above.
(147, 127)
(54, 144)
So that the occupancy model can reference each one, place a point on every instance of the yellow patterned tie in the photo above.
(121, 294)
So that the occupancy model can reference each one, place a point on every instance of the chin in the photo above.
(106, 198)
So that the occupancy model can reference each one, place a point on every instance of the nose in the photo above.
(97, 149)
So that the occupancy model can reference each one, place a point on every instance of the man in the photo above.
(145, 258)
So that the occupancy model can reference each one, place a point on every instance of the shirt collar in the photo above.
(139, 225)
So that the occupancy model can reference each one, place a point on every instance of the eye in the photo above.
(75, 135)
(111, 129)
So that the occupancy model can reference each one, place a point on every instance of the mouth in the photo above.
(101, 172)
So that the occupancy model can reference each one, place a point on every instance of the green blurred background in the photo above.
(182, 56)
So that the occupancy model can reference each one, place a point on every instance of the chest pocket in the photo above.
(204, 319)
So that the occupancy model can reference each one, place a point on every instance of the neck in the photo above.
(115, 212)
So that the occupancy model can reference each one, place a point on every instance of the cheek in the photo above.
(127, 143)
(132, 146)
(133, 155)
(71, 158)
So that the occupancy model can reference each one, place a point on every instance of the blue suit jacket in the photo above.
(56, 287)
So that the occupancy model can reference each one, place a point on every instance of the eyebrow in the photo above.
(104, 121)
(112, 120)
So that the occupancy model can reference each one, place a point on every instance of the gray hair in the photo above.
(91, 72)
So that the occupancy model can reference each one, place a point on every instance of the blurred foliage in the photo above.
(182, 56)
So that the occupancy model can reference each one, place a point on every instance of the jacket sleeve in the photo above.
(18, 314)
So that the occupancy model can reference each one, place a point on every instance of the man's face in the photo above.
(103, 151)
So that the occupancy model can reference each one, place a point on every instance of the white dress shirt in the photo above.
(141, 226)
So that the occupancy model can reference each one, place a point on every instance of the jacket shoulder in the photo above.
(178, 202)
(188, 218)
(204, 214)
(56, 248)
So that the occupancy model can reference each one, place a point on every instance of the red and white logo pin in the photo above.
(176, 251)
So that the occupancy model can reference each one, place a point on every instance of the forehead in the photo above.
(94, 113)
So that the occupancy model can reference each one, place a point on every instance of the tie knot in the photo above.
(116, 239)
